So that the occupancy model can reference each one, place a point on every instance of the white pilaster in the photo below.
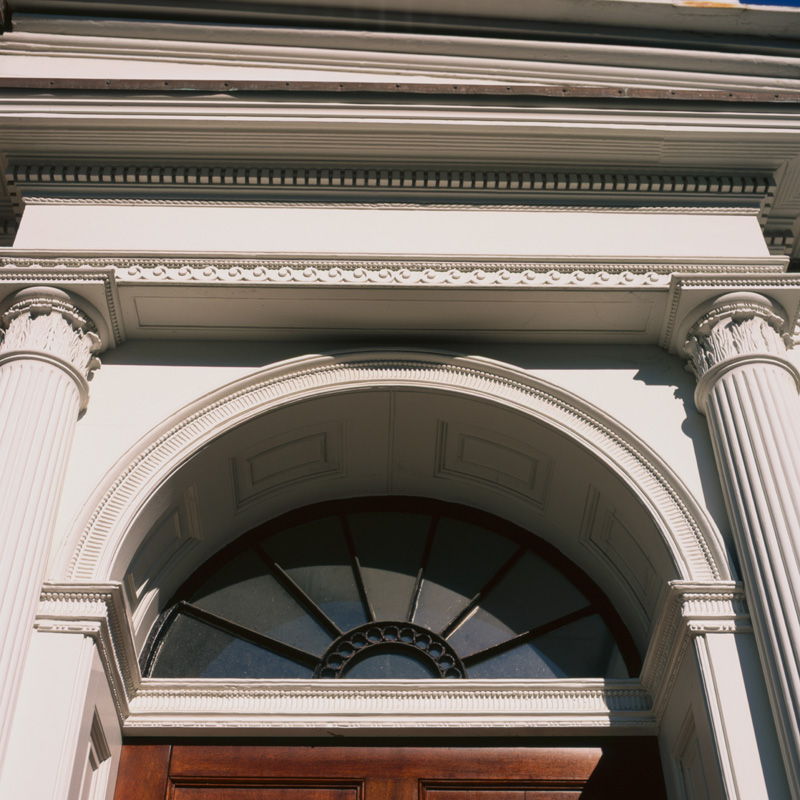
(748, 390)
(46, 355)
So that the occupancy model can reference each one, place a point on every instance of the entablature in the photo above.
(247, 296)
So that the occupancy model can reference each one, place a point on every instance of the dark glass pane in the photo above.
(396, 664)
(193, 649)
(315, 556)
(523, 661)
(390, 547)
(583, 648)
(244, 592)
(463, 558)
(531, 594)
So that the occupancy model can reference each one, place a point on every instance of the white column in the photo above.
(748, 390)
(46, 355)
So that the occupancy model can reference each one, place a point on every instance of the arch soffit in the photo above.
(690, 536)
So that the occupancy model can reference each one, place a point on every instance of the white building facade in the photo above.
(536, 265)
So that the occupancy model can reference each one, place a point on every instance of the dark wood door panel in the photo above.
(143, 772)
(432, 763)
(482, 793)
(263, 793)
(472, 794)
(612, 769)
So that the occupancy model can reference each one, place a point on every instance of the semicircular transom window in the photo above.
(389, 588)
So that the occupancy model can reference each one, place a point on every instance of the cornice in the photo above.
(436, 201)
(275, 707)
(780, 240)
(374, 56)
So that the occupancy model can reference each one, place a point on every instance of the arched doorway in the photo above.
(391, 589)
(450, 429)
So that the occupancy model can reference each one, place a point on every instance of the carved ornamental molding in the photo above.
(173, 269)
(43, 323)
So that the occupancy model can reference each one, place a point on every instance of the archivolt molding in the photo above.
(275, 706)
(691, 538)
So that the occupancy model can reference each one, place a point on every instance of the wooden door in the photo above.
(615, 769)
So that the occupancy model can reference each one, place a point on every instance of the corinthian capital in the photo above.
(734, 327)
(44, 323)
(735, 330)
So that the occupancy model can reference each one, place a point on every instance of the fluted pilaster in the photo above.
(46, 355)
(748, 390)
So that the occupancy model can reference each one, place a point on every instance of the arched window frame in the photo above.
(526, 540)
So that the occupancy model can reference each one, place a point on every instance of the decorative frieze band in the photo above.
(597, 272)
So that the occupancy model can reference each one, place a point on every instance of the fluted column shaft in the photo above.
(45, 357)
(748, 390)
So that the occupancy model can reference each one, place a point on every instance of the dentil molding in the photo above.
(728, 189)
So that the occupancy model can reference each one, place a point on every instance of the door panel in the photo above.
(613, 769)
(502, 794)
(263, 793)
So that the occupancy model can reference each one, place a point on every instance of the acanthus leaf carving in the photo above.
(45, 321)
(737, 325)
